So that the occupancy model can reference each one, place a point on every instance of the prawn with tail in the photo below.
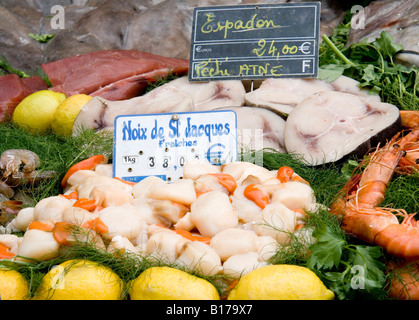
(395, 230)
(18, 167)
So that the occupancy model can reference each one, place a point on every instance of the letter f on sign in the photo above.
(306, 64)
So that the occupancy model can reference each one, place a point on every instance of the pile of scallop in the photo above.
(227, 219)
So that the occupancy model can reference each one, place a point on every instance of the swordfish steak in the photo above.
(281, 95)
(258, 129)
(178, 95)
(329, 126)
(111, 74)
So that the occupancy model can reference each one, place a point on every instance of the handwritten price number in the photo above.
(273, 50)
(231, 309)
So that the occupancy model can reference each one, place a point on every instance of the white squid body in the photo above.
(146, 218)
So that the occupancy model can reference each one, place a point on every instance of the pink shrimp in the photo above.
(361, 215)
(11, 160)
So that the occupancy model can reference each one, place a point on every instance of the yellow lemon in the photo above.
(36, 112)
(165, 283)
(13, 286)
(67, 112)
(280, 282)
(80, 280)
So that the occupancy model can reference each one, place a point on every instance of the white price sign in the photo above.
(159, 144)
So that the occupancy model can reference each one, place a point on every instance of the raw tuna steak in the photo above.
(112, 74)
(330, 125)
(14, 89)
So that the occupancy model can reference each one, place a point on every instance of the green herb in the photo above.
(56, 153)
(403, 192)
(349, 167)
(9, 69)
(6, 68)
(372, 64)
(43, 38)
(349, 269)
(328, 250)
(159, 81)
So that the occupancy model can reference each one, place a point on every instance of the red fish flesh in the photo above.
(14, 89)
(111, 74)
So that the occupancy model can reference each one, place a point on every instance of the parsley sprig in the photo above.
(373, 64)
(351, 270)
(42, 38)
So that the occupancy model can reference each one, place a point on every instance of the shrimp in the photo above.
(410, 162)
(363, 218)
(6, 190)
(11, 160)
(361, 215)
(409, 118)
(18, 166)
(404, 283)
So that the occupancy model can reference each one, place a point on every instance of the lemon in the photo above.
(13, 286)
(80, 280)
(36, 112)
(67, 112)
(166, 283)
(280, 282)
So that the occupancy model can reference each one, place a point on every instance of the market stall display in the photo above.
(306, 208)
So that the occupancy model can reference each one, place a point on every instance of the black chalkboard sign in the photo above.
(255, 41)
